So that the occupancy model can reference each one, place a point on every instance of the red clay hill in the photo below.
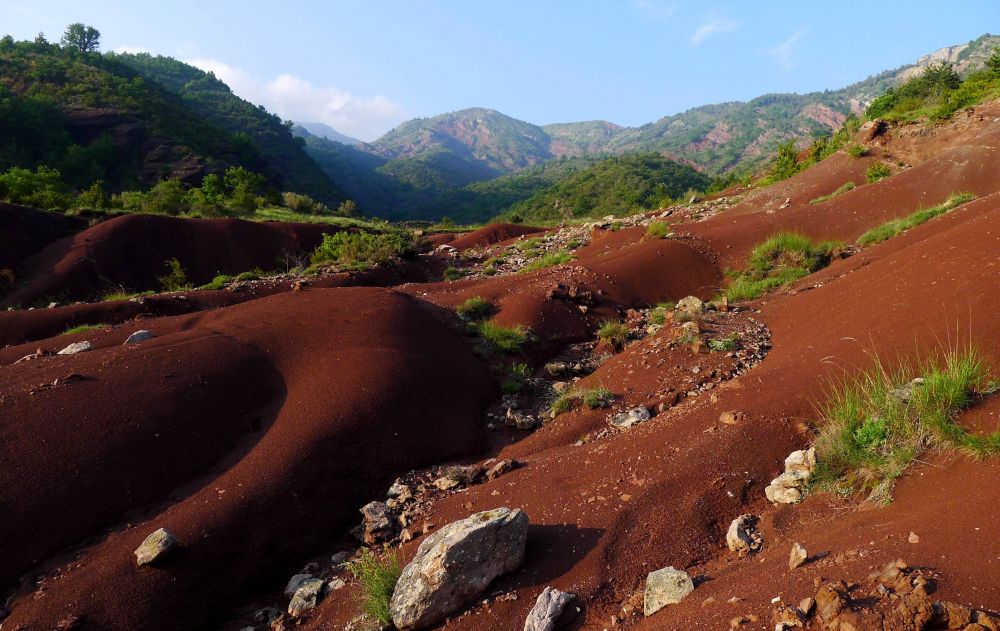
(254, 428)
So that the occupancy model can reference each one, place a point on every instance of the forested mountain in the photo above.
(426, 164)
(132, 120)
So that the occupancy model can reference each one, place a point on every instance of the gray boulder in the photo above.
(155, 546)
(306, 597)
(295, 583)
(455, 564)
(379, 523)
(667, 586)
(76, 347)
(548, 610)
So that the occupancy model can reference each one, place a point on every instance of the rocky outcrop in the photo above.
(667, 586)
(629, 418)
(306, 597)
(787, 487)
(76, 347)
(455, 565)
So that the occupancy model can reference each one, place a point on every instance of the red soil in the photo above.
(27, 230)
(302, 406)
(132, 251)
(284, 393)
(491, 234)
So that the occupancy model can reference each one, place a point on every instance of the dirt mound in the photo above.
(253, 432)
(132, 251)
(27, 230)
(491, 234)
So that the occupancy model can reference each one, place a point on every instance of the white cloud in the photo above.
(712, 27)
(292, 97)
(783, 52)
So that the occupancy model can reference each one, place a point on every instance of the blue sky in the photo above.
(364, 66)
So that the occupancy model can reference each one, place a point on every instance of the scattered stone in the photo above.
(333, 585)
(340, 557)
(872, 129)
(913, 538)
(731, 418)
(76, 347)
(306, 597)
(295, 583)
(806, 606)
(155, 546)
(500, 468)
(267, 615)
(690, 329)
(549, 610)
(139, 336)
(786, 617)
(667, 586)
(455, 564)
(379, 523)
(830, 600)
(519, 420)
(905, 393)
(400, 491)
(629, 418)
(446, 483)
(797, 557)
(743, 536)
(690, 305)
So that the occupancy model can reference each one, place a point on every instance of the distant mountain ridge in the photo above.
(322, 130)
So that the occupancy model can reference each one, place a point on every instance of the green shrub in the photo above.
(658, 230)
(122, 293)
(896, 226)
(517, 379)
(362, 248)
(496, 339)
(847, 186)
(614, 332)
(875, 425)
(378, 579)
(725, 344)
(548, 260)
(83, 328)
(857, 151)
(878, 170)
(176, 278)
(474, 309)
(452, 273)
(780, 260)
(219, 282)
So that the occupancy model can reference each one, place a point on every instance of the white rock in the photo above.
(630, 417)
(306, 597)
(76, 347)
(139, 336)
(548, 609)
(295, 583)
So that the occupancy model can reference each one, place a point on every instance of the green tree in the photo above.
(993, 63)
(347, 208)
(786, 162)
(93, 197)
(243, 187)
(167, 197)
(41, 188)
(86, 39)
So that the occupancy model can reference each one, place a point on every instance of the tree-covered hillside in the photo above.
(615, 185)
(284, 160)
(130, 121)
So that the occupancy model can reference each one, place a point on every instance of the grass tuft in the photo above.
(778, 261)
(871, 430)
(658, 230)
(847, 186)
(517, 379)
(896, 226)
(877, 171)
(83, 328)
(614, 332)
(475, 309)
(857, 151)
(496, 339)
(378, 579)
(549, 259)
(594, 398)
